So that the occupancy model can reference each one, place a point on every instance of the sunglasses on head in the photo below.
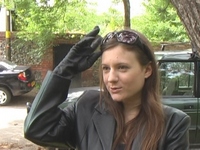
(127, 37)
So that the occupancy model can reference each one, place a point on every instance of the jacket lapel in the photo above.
(105, 126)
(137, 141)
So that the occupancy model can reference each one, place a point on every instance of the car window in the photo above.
(177, 78)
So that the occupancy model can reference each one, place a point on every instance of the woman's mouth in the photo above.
(115, 89)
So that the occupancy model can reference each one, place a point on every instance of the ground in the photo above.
(11, 124)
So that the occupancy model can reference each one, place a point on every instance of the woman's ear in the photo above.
(148, 70)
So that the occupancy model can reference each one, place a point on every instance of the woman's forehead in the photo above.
(118, 53)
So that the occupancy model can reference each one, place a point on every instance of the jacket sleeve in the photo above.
(45, 124)
(177, 136)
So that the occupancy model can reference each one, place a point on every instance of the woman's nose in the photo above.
(112, 76)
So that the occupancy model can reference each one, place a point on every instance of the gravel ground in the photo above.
(11, 124)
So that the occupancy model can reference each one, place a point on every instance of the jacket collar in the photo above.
(105, 126)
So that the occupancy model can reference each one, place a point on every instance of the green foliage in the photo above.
(38, 25)
(8, 3)
(160, 22)
(111, 20)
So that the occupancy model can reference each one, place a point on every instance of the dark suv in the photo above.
(180, 86)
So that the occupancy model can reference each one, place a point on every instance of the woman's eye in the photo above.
(105, 68)
(123, 68)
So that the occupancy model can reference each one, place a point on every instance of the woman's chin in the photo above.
(117, 99)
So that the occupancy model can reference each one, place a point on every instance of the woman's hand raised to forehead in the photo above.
(81, 56)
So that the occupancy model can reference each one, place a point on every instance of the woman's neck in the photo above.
(131, 109)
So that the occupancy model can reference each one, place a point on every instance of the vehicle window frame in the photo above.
(160, 62)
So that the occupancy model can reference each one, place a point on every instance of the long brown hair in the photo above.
(150, 119)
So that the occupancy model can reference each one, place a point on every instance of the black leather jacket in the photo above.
(85, 124)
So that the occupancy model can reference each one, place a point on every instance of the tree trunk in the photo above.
(189, 13)
(127, 19)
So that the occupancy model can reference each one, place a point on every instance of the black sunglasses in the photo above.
(128, 37)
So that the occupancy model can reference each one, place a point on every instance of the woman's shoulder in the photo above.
(174, 115)
(177, 124)
(171, 111)
(87, 98)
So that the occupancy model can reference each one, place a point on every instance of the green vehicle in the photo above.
(180, 86)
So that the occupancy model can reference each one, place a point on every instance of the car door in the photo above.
(177, 87)
(198, 124)
(197, 93)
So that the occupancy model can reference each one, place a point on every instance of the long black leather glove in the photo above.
(81, 56)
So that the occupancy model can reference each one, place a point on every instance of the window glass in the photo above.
(177, 78)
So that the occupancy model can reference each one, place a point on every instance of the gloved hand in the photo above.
(81, 56)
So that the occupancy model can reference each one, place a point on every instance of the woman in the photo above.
(126, 115)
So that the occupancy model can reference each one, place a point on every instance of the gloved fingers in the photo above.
(94, 57)
(94, 32)
(89, 49)
(96, 42)
(85, 42)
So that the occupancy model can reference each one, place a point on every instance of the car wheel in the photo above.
(5, 96)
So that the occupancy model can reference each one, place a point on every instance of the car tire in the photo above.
(5, 96)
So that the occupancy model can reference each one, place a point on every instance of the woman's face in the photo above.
(123, 75)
